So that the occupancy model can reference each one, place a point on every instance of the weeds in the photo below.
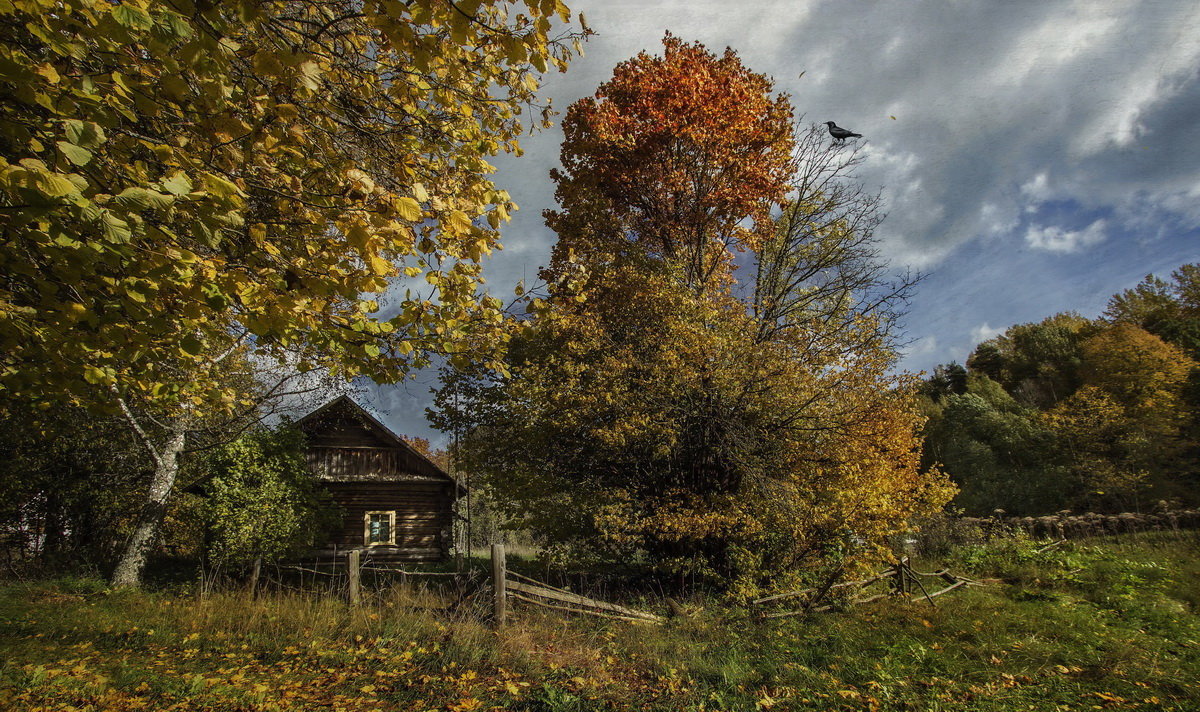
(1106, 625)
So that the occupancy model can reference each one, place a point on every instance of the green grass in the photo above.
(1111, 624)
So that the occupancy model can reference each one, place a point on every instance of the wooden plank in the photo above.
(791, 594)
(499, 582)
(780, 596)
(395, 570)
(948, 589)
(578, 610)
(535, 582)
(354, 571)
(579, 600)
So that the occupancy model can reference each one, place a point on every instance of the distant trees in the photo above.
(998, 452)
(1106, 409)
(665, 403)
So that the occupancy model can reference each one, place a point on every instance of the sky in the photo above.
(1034, 157)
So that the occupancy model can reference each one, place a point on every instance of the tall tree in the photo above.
(180, 181)
(724, 422)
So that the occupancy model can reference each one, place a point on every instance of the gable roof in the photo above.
(348, 407)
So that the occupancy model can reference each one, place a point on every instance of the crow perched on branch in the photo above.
(839, 133)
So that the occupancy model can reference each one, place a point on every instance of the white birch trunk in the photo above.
(137, 548)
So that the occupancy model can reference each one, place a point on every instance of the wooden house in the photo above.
(396, 503)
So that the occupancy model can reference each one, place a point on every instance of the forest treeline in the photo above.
(1073, 413)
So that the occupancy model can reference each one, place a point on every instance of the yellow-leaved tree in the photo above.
(188, 182)
(1122, 430)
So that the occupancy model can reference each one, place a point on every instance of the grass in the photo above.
(1099, 625)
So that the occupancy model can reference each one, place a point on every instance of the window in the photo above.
(379, 528)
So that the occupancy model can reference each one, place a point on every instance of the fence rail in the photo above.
(901, 579)
(505, 585)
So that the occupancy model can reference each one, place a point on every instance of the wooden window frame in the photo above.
(391, 515)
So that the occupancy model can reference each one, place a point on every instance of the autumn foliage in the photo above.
(174, 177)
(1093, 414)
(682, 156)
(185, 185)
(649, 410)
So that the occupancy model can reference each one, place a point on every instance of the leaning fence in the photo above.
(508, 584)
(900, 579)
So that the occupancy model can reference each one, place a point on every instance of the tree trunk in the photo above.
(255, 573)
(137, 548)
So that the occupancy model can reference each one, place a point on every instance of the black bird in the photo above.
(840, 133)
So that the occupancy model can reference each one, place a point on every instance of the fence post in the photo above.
(498, 586)
(352, 566)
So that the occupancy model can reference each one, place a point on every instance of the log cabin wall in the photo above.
(367, 468)
(423, 517)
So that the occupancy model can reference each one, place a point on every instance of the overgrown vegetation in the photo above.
(199, 205)
(1112, 624)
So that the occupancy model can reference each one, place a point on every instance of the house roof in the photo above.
(425, 469)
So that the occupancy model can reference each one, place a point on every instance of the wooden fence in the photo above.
(345, 575)
(1068, 525)
(901, 579)
(505, 586)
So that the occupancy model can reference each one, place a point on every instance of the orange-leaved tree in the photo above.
(680, 156)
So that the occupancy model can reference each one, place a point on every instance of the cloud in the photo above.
(1056, 239)
(999, 107)
(1029, 139)
(983, 332)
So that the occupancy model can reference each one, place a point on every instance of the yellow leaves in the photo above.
(360, 181)
(99, 376)
(48, 72)
(458, 222)
(33, 174)
(213, 136)
(359, 236)
(220, 186)
(408, 208)
(132, 16)
(380, 266)
(74, 154)
(177, 183)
